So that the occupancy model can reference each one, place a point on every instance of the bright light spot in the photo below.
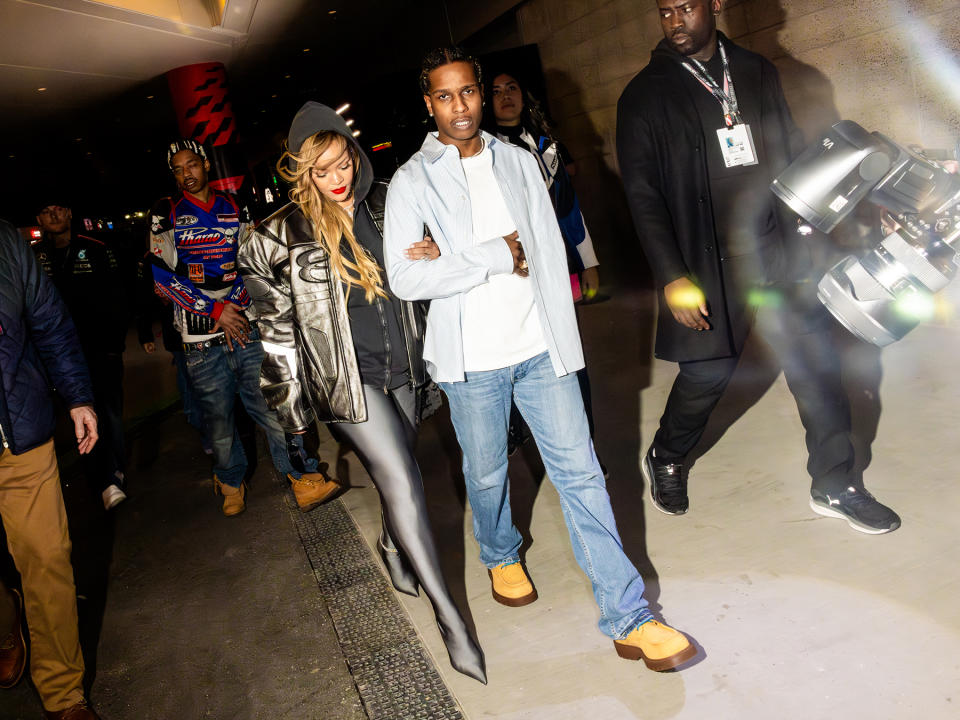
(41, 89)
(350, 122)
(356, 133)
(306, 49)
(343, 108)
(686, 298)
(759, 297)
(127, 216)
(139, 213)
(914, 306)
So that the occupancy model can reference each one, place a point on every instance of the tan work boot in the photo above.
(660, 646)
(511, 586)
(233, 497)
(311, 489)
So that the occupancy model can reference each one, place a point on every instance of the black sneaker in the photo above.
(859, 508)
(668, 484)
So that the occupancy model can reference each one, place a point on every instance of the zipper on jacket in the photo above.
(386, 345)
(3, 437)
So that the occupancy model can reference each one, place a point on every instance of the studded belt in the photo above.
(217, 341)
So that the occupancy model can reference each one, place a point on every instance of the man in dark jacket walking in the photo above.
(38, 341)
(88, 277)
(701, 133)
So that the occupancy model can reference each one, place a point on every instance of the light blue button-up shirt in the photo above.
(431, 189)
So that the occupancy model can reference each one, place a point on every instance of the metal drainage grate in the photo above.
(394, 674)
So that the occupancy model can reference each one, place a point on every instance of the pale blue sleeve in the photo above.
(448, 275)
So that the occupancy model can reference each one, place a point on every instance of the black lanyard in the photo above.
(727, 97)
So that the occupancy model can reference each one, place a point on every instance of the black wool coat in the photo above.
(662, 155)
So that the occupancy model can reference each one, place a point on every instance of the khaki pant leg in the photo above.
(31, 505)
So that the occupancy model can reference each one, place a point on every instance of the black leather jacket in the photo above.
(310, 369)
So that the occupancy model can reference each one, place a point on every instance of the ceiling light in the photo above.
(356, 133)
(149, 97)
(306, 49)
(343, 108)
(331, 12)
(41, 89)
(350, 122)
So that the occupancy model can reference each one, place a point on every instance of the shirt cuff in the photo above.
(499, 257)
(217, 310)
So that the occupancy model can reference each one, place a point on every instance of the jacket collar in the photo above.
(433, 149)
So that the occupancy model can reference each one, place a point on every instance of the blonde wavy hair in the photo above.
(331, 223)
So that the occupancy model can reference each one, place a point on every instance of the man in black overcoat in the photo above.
(702, 130)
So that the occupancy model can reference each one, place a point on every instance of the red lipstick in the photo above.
(339, 191)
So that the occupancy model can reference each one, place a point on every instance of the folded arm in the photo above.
(447, 275)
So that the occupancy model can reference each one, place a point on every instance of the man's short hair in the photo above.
(184, 144)
(444, 56)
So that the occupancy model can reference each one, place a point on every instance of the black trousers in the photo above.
(811, 367)
(108, 455)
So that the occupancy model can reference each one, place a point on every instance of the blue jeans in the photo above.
(191, 408)
(553, 408)
(216, 375)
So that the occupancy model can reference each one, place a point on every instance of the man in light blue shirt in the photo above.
(501, 326)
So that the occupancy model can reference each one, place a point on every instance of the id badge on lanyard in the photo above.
(736, 139)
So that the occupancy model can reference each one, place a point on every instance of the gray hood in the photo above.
(314, 117)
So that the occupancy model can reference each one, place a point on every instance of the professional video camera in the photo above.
(882, 295)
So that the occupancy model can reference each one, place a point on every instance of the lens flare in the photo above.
(687, 298)
(761, 297)
(915, 306)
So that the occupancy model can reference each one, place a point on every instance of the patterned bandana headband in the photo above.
(183, 144)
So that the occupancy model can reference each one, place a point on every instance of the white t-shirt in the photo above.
(500, 323)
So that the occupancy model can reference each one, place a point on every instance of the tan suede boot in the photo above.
(660, 646)
(511, 586)
(233, 497)
(311, 489)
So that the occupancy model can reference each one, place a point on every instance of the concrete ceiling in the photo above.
(105, 110)
(85, 52)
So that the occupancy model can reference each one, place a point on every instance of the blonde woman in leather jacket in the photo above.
(341, 349)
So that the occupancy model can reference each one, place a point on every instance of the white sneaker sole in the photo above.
(827, 512)
(647, 473)
(114, 499)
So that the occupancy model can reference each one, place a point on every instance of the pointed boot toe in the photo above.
(465, 654)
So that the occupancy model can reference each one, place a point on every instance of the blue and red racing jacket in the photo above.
(194, 252)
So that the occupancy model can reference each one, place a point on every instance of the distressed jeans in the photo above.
(553, 409)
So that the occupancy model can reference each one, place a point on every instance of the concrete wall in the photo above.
(890, 65)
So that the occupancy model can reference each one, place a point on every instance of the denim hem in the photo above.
(507, 561)
(643, 617)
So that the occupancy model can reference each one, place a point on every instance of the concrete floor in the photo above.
(797, 615)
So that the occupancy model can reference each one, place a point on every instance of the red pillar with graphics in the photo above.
(201, 99)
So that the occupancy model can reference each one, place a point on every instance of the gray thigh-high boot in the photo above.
(384, 444)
